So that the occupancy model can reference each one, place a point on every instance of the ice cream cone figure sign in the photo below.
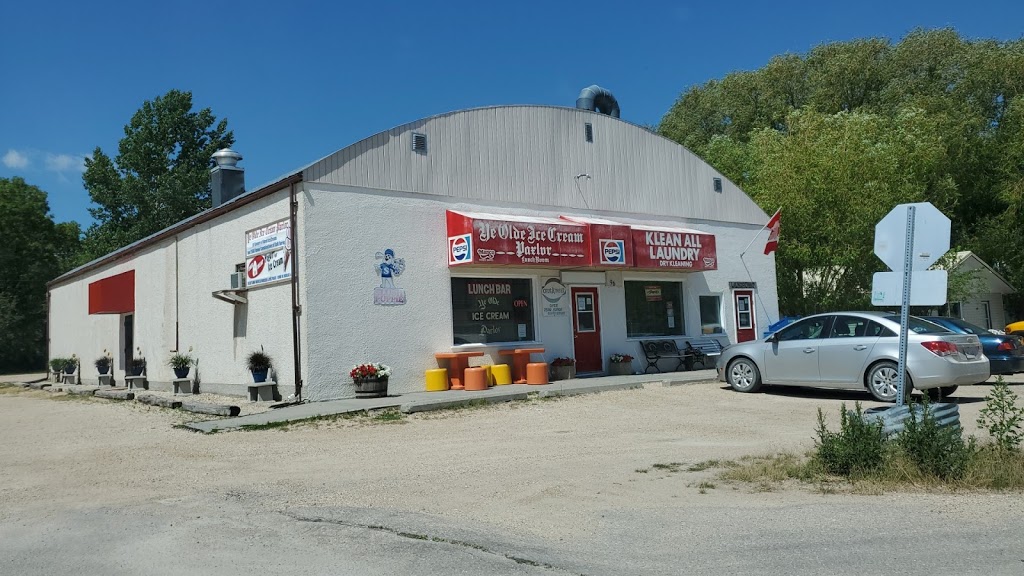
(388, 268)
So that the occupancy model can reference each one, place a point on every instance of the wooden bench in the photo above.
(703, 350)
(655, 350)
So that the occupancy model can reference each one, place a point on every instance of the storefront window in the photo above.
(711, 315)
(489, 310)
(654, 309)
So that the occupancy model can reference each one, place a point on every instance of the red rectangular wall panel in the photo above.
(113, 295)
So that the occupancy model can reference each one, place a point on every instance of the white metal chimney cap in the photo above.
(226, 157)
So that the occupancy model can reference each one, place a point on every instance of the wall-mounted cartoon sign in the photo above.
(553, 292)
(388, 268)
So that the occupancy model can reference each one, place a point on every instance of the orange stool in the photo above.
(476, 378)
(537, 373)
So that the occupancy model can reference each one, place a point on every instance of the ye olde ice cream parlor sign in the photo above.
(489, 239)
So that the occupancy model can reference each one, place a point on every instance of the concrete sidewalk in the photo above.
(426, 401)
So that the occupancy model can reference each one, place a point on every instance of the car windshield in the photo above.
(918, 326)
(967, 326)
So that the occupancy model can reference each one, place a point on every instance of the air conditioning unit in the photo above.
(238, 281)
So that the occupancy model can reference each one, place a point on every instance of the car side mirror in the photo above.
(773, 338)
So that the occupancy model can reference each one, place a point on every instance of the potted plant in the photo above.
(57, 366)
(181, 363)
(620, 365)
(371, 380)
(138, 363)
(103, 363)
(563, 368)
(259, 364)
(71, 364)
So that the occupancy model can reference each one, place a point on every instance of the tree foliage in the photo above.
(35, 250)
(840, 135)
(160, 175)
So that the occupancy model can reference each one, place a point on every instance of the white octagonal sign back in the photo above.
(931, 236)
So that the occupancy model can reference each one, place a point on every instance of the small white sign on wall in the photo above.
(553, 298)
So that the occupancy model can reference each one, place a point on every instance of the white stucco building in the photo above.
(482, 229)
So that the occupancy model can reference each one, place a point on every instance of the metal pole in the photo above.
(908, 251)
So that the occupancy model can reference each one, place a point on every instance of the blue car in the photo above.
(1005, 353)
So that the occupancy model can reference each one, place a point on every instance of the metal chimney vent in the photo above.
(226, 157)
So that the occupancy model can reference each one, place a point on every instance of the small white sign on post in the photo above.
(927, 288)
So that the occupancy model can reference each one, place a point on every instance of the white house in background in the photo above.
(477, 230)
(985, 307)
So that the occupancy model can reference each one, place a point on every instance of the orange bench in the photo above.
(457, 364)
(520, 358)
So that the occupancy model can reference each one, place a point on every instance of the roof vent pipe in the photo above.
(227, 178)
(598, 99)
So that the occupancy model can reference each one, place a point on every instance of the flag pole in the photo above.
(749, 275)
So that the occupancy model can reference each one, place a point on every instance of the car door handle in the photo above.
(808, 350)
(860, 347)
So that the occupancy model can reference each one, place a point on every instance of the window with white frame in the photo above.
(653, 308)
(711, 315)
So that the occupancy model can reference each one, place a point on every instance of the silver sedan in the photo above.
(856, 350)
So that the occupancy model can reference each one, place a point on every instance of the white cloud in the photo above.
(15, 159)
(61, 163)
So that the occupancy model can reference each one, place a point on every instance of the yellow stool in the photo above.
(437, 380)
(490, 374)
(537, 373)
(476, 378)
(502, 374)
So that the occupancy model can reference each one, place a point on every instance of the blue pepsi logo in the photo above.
(613, 251)
(460, 248)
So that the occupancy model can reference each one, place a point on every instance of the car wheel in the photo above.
(937, 394)
(883, 382)
(743, 375)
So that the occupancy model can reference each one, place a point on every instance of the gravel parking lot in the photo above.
(555, 482)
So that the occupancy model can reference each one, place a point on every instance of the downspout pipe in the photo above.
(293, 208)
(595, 98)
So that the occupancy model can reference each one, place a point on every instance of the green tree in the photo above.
(955, 105)
(34, 251)
(160, 175)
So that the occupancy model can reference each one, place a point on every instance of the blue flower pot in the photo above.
(259, 376)
(181, 372)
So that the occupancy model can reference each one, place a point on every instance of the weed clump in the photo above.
(857, 448)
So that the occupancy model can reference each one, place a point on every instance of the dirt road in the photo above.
(531, 487)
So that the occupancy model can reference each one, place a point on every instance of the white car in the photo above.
(856, 350)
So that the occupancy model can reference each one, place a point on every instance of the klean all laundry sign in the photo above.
(673, 249)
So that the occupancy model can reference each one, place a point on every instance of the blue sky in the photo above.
(299, 80)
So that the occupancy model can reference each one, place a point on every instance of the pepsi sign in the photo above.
(460, 249)
(613, 251)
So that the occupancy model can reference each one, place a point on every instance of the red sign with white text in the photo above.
(518, 240)
(666, 249)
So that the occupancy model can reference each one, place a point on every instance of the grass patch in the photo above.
(641, 470)
(701, 466)
(391, 415)
(670, 467)
(313, 420)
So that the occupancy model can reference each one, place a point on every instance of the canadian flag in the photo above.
(773, 233)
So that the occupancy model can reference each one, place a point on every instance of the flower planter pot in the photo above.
(620, 368)
(563, 372)
(371, 387)
(260, 376)
(103, 370)
(138, 370)
(69, 368)
(181, 372)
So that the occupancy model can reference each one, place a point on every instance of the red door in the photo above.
(586, 330)
(743, 303)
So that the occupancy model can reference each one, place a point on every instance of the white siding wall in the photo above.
(175, 279)
(345, 227)
(530, 155)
